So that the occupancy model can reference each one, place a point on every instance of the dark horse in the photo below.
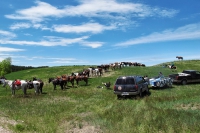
(179, 57)
(57, 81)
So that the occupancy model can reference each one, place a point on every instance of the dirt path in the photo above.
(4, 121)
(3, 130)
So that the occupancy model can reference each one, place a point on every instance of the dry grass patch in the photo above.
(57, 99)
(5, 122)
(79, 127)
(192, 106)
(109, 73)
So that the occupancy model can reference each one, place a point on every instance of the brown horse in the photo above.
(179, 57)
(86, 72)
(100, 71)
(66, 79)
(81, 78)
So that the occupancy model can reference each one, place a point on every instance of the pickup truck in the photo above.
(187, 76)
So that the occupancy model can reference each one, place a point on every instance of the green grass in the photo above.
(91, 109)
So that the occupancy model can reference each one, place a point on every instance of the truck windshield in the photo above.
(187, 72)
(125, 81)
(120, 81)
(130, 81)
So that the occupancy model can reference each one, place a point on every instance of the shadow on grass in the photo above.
(28, 95)
(134, 97)
(161, 88)
(179, 84)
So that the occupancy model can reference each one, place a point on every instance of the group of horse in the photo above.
(64, 79)
(76, 77)
(117, 65)
(17, 84)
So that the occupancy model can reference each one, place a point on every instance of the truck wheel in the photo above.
(147, 92)
(119, 97)
(184, 82)
(141, 94)
(170, 84)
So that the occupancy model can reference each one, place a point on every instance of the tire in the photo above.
(147, 91)
(158, 84)
(170, 84)
(119, 97)
(184, 82)
(141, 94)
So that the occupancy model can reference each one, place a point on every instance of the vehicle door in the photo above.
(142, 83)
(197, 76)
(194, 76)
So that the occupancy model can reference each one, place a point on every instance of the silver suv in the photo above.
(130, 85)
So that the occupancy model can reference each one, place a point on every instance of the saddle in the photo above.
(17, 82)
(64, 77)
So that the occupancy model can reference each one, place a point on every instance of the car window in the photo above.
(187, 72)
(137, 80)
(140, 80)
(120, 81)
(197, 72)
(130, 81)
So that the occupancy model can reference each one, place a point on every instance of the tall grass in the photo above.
(92, 109)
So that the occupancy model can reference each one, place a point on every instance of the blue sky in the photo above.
(95, 32)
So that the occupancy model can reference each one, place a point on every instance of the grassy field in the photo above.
(88, 109)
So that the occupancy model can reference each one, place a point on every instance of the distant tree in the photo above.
(5, 66)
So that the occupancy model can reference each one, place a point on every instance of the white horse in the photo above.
(90, 71)
(37, 85)
(14, 87)
(95, 72)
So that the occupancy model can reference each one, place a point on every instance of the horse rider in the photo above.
(160, 75)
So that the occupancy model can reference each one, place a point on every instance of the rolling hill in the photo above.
(91, 109)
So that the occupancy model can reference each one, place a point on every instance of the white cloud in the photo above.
(191, 31)
(19, 26)
(88, 8)
(59, 62)
(36, 13)
(39, 60)
(112, 13)
(6, 34)
(98, 8)
(6, 49)
(88, 27)
(92, 44)
(51, 41)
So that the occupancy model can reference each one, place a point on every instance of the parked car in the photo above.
(187, 76)
(160, 81)
(130, 85)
